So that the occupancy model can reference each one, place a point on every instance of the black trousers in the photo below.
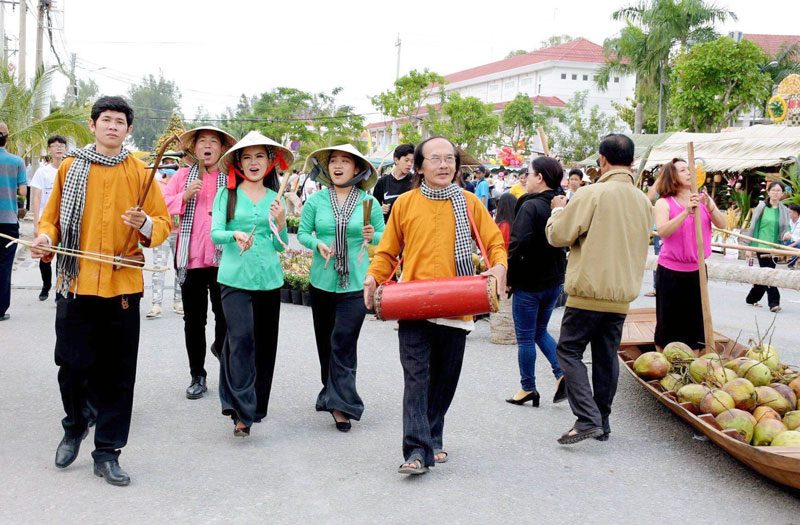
(7, 264)
(200, 285)
(97, 343)
(247, 362)
(337, 323)
(46, 269)
(604, 331)
(431, 356)
(757, 291)
(679, 311)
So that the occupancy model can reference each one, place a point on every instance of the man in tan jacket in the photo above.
(607, 228)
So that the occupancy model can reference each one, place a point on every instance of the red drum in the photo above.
(428, 299)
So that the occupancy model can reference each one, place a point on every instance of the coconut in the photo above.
(765, 412)
(678, 351)
(768, 396)
(794, 384)
(716, 402)
(757, 373)
(651, 365)
(692, 393)
(712, 356)
(739, 420)
(734, 364)
(786, 392)
(792, 420)
(672, 382)
(766, 354)
(701, 368)
(723, 375)
(790, 438)
(743, 393)
(766, 430)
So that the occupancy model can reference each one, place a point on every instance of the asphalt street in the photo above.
(504, 465)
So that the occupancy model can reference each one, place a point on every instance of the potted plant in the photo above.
(304, 281)
(292, 222)
(286, 289)
(297, 295)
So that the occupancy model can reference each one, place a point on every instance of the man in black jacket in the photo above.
(396, 183)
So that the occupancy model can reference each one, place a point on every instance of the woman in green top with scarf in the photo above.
(769, 223)
(250, 224)
(336, 216)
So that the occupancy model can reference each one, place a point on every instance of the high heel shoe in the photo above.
(533, 397)
(561, 390)
(341, 426)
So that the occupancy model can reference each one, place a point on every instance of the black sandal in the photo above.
(420, 469)
(580, 435)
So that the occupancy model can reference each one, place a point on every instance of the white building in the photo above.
(549, 76)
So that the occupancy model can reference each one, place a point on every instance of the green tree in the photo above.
(653, 28)
(785, 62)
(21, 108)
(579, 134)
(283, 114)
(234, 120)
(521, 119)
(407, 98)
(555, 40)
(152, 100)
(516, 52)
(715, 81)
(332, 119)
(469, 123)
(627, 113)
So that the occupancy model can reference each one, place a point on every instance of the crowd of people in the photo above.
(222, 220)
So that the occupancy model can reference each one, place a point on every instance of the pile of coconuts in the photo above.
(755, 395)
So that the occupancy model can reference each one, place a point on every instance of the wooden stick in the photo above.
(543, 138)
(282, 189)
(367, 210)
(768, 251)
(328, 258)
(642, 164)
(708, 326)
(795, 251)
(249, 238)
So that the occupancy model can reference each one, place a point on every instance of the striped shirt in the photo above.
(12, 176)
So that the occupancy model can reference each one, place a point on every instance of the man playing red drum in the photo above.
(430, 225)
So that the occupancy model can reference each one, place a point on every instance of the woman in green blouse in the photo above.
(336, 216)
(250, 274)
(769, 223)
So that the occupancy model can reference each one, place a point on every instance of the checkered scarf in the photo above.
(73, 200)
(187, 220)
(463, 243)
(342, 216)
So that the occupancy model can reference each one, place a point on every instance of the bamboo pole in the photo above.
(745, 247)
(708, 326)
(543, 138)
(768, 251)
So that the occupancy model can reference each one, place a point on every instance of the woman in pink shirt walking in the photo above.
(679, 314)
(191, 196)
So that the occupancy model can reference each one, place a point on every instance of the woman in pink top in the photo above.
(197, 258)
(679, 315)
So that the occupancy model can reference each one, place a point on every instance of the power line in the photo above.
(268, 120)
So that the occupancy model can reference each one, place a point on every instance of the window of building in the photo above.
(525, 82)
(563, 76)
(586, 77)
(616, 80)
(539, 90)
(494, 91)
(509, 84)
(574, 77)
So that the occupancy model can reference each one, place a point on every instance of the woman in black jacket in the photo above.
(535, 277)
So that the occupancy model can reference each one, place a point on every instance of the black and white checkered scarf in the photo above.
(73, 200)
(342, 216)
(185, 234)
(463, 246)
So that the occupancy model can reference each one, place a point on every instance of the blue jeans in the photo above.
(532, 311)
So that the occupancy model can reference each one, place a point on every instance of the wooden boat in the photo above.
(781, 464)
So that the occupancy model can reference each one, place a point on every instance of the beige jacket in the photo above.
(607, 227)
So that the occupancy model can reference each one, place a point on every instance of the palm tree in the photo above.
(654, 28)
(21, 108)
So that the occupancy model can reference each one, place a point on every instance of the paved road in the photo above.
(505, 465)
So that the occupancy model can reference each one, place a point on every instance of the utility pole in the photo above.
(23, 14)
(398, 44)
(40, 33)
(3, 53)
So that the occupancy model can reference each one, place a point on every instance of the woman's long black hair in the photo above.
(270, 180)
(506, 208)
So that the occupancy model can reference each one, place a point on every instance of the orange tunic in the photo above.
(425, 230)
(110, 191)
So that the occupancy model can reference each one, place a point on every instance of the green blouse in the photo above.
(258, 268)
(317, 217)
(768, 226)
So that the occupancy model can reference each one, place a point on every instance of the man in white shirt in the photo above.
(41, 186)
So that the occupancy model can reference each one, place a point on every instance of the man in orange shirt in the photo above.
(430, 225)
(92, 208)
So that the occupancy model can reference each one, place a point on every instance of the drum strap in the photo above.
(474, 232)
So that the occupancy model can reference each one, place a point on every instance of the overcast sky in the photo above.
(216, 50)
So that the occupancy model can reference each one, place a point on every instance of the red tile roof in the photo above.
(579, 50)
(771, 44)
(547, 101)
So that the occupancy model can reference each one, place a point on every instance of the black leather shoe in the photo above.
(197, 388)
(561, 390)
(44, 294)
(342, 426)
(112, 473)
(68, 449)
(533, 397)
